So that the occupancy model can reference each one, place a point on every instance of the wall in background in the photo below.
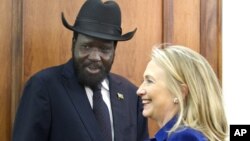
(33, 37)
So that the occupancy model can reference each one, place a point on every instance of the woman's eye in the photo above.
(148, 81)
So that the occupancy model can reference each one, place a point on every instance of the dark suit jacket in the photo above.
(54, 107)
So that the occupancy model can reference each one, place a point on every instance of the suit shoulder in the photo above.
(48, 74)
(121, 79)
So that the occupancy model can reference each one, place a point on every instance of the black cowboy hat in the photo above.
(100, 20)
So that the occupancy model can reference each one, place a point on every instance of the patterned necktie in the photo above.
(101, 112)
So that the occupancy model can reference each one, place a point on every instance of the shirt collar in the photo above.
(105, 84)
(163, 132)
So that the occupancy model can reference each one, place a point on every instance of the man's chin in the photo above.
(91, 79)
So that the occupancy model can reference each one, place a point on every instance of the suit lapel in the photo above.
(118, 105)
(80, 101)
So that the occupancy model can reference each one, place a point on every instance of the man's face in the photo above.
(93, 59)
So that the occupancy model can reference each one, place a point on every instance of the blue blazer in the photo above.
(54, 107)
(182, 134)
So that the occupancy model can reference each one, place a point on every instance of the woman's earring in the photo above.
(176, 101)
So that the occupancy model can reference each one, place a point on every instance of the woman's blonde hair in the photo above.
(202, 108)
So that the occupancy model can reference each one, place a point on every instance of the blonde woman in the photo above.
(182, 94)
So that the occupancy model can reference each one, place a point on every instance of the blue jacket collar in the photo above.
(163, 132)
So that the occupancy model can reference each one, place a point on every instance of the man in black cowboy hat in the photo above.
(59, 104)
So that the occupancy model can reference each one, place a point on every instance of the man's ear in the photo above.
(184, 90)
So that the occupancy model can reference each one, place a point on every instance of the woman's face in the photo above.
(156, 99)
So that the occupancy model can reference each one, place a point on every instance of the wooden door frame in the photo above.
(210, 33)
(210, 30)
(17, 55)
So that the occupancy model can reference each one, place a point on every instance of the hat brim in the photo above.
(99, 35)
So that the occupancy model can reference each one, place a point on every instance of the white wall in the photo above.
(236, 60)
